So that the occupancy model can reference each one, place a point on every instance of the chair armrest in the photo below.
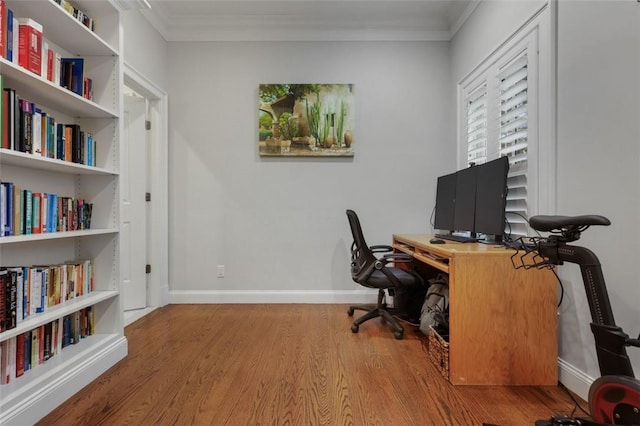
(380, 248)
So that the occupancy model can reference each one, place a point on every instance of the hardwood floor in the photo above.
(287, 365)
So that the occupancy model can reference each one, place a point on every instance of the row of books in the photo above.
(26, 128)
(24, 212)
(85, 19)
(27, 351)
(22, 42)
(26, 291)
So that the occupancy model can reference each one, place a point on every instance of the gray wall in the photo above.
(598, 158)
(144, 48)
(490, 24)
(598, 140)
(280, 224)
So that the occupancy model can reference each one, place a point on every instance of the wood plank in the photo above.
(288, 364)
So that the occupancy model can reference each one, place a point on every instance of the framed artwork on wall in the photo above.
(306, 120)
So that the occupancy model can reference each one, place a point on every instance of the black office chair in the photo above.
(369, 268)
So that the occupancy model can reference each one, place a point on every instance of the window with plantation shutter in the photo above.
(513, 138)
(499, 116)
(477, 126)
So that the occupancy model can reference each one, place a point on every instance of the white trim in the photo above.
(123, 5)
(50, 390)
(134, 315)
(574, 379)
(271, 296)
(240, 27)
(547, 112)
(463, 18)
(506, 44)
(538, 35)
(158, 291)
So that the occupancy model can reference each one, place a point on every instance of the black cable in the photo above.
(575, 401)
(561, 286)
(573, 412)
(414, 324)
(507, 237)
(526, 220)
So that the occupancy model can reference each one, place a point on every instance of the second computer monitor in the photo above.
(465, 206)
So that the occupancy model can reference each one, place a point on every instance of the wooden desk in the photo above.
(503, 321)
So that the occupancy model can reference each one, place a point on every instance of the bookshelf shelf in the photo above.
(28, 397)
(63, 30)
(51, 95)
(22, 159)
(56, 235)
(58, 311)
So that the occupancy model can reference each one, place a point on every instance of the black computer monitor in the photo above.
(465, 207)
(491, 197)
(445, 202)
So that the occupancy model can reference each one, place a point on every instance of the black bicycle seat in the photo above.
(547, 223)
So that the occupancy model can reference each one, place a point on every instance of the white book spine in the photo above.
(15, 47)
(45, 63)
(36, 134)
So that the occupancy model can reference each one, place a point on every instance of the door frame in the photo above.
(158, 218)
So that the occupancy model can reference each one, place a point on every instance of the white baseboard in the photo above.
(134, 315)
(272, 296)
(44, 393)
(575, 380)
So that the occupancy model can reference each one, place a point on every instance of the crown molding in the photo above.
(463, 17)
(301, 27)
(131, 4)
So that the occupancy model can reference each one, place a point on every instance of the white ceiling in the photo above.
(307, 20)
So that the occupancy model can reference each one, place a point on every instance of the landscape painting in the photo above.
(310, 120)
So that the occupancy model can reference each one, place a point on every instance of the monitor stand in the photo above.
(491, 239)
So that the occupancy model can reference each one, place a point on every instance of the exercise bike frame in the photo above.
(610, 340)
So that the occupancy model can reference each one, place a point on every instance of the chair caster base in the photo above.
(350, 312)
(398, 335)
(354, 328)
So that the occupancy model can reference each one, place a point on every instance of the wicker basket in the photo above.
(439, 352)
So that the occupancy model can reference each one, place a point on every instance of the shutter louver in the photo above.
(476, 126)
(513, 138)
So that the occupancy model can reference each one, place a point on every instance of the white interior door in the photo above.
(134, 187)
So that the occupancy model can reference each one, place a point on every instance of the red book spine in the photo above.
(3, 277)
(30, 45)
(3, 29)
(50, 64)
(20, 355)
(41, 344)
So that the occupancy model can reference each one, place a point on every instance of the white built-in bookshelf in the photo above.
(29, 397)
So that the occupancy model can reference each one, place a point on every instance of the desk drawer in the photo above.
(438, 262)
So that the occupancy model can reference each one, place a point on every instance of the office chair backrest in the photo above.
(362, 259)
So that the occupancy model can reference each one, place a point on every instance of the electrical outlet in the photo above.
(220, 271)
